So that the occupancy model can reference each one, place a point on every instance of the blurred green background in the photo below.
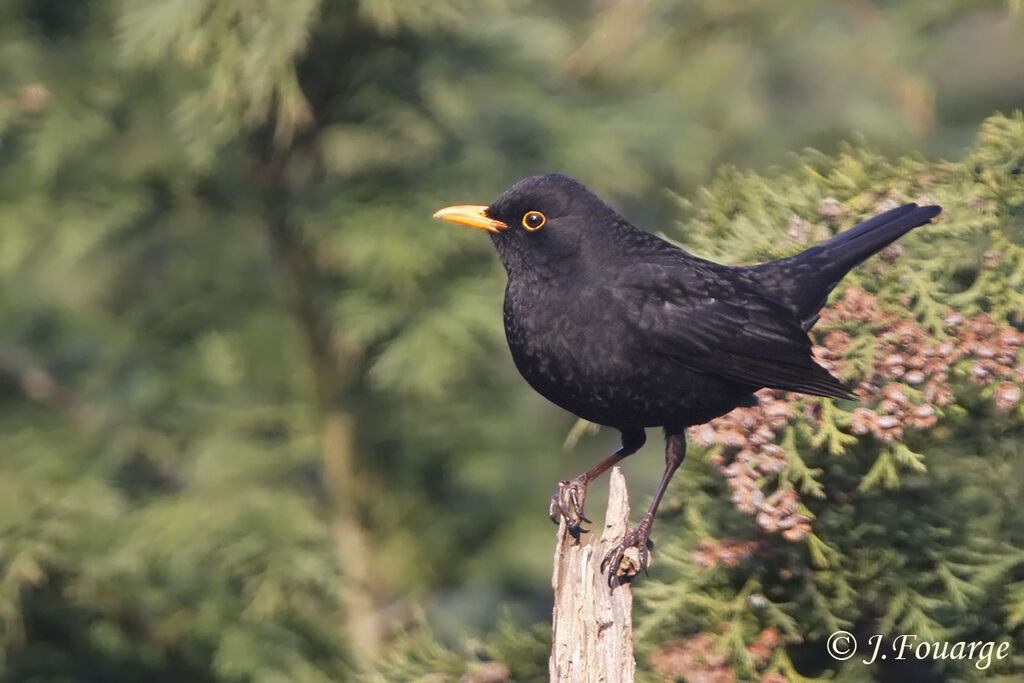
(257, 417)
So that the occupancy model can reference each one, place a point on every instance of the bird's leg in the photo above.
(617, 562)
(567, 503)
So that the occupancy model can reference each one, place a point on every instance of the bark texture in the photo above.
(592, 638)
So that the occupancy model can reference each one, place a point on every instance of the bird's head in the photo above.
(539, 222)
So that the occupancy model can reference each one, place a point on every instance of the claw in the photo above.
(576, 497)
(567, 504)
(628, 557)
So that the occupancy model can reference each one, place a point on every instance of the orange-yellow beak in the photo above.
(471, 215)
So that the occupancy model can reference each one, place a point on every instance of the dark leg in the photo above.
(616, 562)
(567, 503)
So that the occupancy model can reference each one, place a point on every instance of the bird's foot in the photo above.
(631, 555)
(567, 504)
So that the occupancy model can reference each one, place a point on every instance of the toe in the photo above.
(576, 498)
(567, 504)
(628, 557)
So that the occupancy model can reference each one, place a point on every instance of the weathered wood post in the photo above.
(592, 639)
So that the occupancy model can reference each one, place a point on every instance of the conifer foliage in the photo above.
(891, 515)
(895, 514)
(257, 420)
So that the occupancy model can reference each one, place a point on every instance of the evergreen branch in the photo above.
(1015, 607)
(797, 470)
(828, 434)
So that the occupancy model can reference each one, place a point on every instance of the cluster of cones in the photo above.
(697, 658)
(750, 456)
(906, 387)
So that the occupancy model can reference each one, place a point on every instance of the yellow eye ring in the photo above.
(534, 220)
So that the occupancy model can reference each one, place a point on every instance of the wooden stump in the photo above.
(592, 639)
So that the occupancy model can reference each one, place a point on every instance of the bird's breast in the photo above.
(573, 345)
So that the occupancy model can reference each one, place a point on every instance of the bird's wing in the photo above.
(721, 325)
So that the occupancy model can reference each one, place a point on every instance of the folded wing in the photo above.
(736, 333)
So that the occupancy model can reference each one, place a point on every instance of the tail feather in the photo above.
(852, 246)
(804, 281)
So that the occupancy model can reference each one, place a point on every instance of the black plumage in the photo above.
(627, 330)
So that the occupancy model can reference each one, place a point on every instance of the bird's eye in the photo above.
(534, 220)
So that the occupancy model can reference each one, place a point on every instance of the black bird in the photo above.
(627, 330)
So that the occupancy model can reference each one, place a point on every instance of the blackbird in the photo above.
(627, 330)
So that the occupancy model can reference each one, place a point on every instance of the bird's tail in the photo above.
(804, 281)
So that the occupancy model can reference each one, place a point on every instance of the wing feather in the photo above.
(718, 326)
